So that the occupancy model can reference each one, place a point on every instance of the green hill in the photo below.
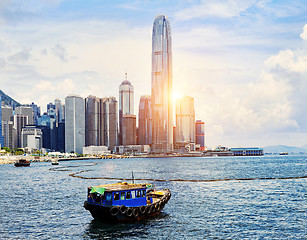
(7, 100)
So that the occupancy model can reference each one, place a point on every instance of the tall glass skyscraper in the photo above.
(126, 104)
(161, 86)
(1, 137)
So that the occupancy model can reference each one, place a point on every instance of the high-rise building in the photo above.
(145, 121)
(59, 111)
(126, 104)
(1, 136)
(200, 134)
(31, 138)
(8, 134)
(7, 113)
(161, 86)
(7, 127)
(185, 121)
(36, 112)
(26, 111)
(92, 114)
(110, 122)
(129, 130)
(19, 121)
(51, 109)
(59, 125)
(47, 124)
(74, 124)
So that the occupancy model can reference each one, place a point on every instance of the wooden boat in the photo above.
(125, 202)
(22, 163)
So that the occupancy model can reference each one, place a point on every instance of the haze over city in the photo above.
(244, 63)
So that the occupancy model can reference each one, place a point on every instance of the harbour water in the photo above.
(212, 198)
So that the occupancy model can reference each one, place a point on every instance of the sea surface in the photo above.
(212, 198)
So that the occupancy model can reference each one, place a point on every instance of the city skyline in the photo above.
(243, 63)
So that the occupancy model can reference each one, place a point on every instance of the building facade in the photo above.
(200, 134)
(36, 112)
(7, 127)
(8, 134)
(126, 104)
(59, 111)
(74, 124)
(145, 121)
(19, 122)
(26, 111)
(7, 113)
(110, 122)
(92, 117)
(185, 121)
(1, 136)
(129, 130)
(31, 138)
(161, 86)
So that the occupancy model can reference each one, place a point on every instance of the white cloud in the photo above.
(217, 8)
(20, 57)
(304, 33)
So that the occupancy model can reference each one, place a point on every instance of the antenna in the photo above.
(132, 178)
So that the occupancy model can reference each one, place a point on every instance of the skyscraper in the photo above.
(200, 134)
(36, 112)
(1, 136)
(7, 127)
(110, 122)
(145, 121)
(129, 130)
(185, 120)
(59, 111)
(26, 111)
(92, 121)
(126, 104)
(19, 121)
(161, 86)
(74, 124)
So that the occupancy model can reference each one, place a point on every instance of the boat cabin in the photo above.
(127, 194)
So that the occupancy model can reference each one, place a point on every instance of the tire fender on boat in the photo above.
(122, 209)
(114, 211)
(142, 209)
(151, 209)
(135, 212)
(85, 205)
(157, 207)
(129, 212)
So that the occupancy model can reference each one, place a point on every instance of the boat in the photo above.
(283, 153)
(55, 162)
(22, 163)
(125, 202)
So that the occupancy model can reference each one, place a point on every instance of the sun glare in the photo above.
(176, 95)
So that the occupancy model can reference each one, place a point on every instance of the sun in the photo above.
(177, 94)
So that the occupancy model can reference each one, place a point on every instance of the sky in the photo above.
(244, 62)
